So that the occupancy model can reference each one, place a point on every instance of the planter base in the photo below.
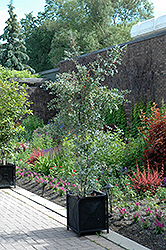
(88, 214)
(7, 175)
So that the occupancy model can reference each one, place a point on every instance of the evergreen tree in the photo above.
(13, 51)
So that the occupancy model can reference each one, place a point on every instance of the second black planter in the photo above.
(87, 214)
(7, 175)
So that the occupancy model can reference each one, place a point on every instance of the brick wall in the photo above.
(40, 99)
(143, 69)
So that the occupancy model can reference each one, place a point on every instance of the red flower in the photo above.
(73, 170)
(54, 166)
(144, 190)
(117, 184)
(50, 167)
(60, 166)
(130, 187)
(126, 184)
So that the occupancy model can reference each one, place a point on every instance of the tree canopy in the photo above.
(93, 24)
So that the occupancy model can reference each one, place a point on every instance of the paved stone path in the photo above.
(23, 226)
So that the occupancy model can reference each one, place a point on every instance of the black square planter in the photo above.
(87, 214)
(7, 175)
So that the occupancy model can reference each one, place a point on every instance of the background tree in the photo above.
(94, 24)
(13, 51)
(38, 42)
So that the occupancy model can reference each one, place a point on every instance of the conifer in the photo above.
(12, 49)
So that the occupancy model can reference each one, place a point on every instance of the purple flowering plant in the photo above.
(123, 212)
(136, 206)
(159, 227)
(148, 211)
(57, 184)
(158, 215)
(135, 217)
(145, 223)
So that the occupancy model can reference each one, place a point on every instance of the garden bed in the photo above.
(124, 226)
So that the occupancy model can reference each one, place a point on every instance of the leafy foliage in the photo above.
(118, 118)
(38, 42)
(6, 74)
(146, 181)
(94, 24)
(14, 104)
(35, 155)
(136, 121)
(154, 133)
(13, 51)
(81, 99)
(132, 152)
(30, 123)
(136, 118)
(49, 161)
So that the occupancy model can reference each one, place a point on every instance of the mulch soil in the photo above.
(124, 226)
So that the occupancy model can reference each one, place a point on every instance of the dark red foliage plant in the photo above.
(146, 180)
(154, 133)
(35, 155)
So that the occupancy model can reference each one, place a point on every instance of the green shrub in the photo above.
(133, 152)
(6, 74)
(118, 118)
(51, 130)
(14, 105)
(161, 194)
(53, 162)
(136, 121)
(30, 123)
(136, 118)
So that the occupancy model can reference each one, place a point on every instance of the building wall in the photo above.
(40, 98)
(143, 69)
(143, 72)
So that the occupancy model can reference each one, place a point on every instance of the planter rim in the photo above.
(99, 193)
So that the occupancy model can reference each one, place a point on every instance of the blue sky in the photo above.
(26, 6)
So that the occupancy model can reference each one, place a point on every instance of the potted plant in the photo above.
(81, 101)
(14, 105)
